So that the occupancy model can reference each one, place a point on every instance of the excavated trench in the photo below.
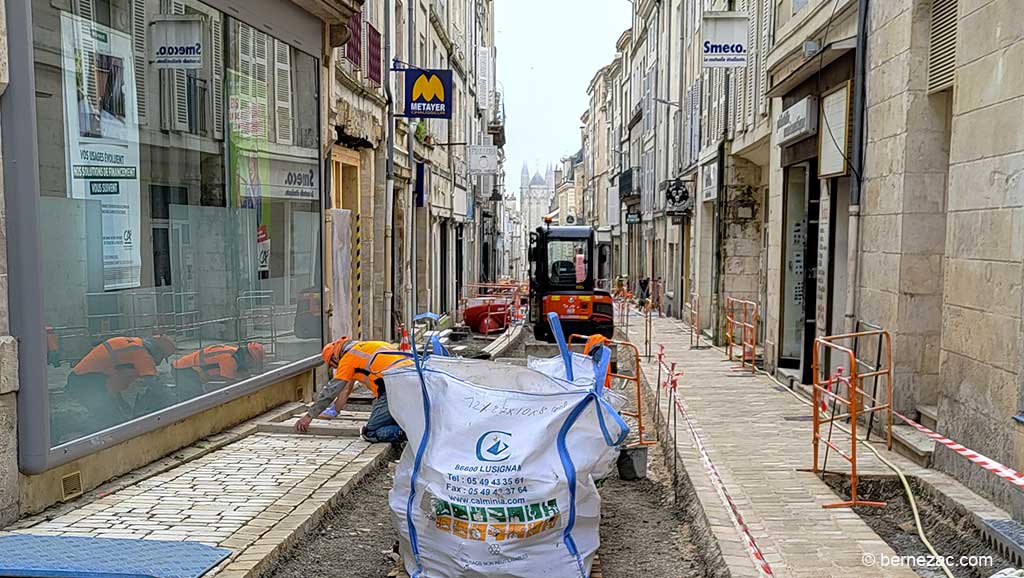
(644, 528)
(951, 533)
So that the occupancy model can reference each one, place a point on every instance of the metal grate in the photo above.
(942, 46)
(71, 486)
(1007, 537)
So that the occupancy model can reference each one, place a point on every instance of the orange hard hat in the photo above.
(333, 351)
(257, 352)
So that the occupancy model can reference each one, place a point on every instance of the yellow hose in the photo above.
(890, 465)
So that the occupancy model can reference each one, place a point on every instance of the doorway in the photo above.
(445, 276)
(802, 192)
(459, 259)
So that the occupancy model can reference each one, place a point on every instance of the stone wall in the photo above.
(903, 223)
(742, 220)
(981, 314)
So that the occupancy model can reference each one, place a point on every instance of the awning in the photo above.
(812, 65)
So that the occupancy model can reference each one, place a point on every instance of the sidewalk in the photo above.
(255, 497)
(758, 436)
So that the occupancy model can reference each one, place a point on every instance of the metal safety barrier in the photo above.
(742, 317)
(613, 374)
(846, 389)
(503, 301)
(693, 319)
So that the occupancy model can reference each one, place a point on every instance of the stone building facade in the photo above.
(929, 246)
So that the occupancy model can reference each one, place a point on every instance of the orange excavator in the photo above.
(563, 281)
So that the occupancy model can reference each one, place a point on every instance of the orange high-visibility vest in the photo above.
(121, 359)
(366, 360)
(593, 342)
(211, 362)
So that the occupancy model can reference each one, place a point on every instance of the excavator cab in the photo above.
(563, 281)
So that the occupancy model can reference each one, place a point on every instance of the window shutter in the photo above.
(179, 108)
(217, 39)
(762, 53)
(716, 99)
(723, 112)
(354, 47)
(261, 80)
(283, 92)
(753, 58)
(139, 30)
(373, 55)
(942, 47)
(85, 10)
(363, 41)
(245, 50)
(738, 108)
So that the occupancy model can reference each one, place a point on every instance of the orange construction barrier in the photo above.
(613, 374)
(742, 316)
(693, 319)
(830, 391)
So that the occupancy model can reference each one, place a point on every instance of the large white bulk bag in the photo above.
(497, 479)
(582, 368)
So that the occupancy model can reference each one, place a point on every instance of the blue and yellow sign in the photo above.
(428, 93)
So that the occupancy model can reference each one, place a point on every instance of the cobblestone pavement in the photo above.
(758, 441)
(255, 497)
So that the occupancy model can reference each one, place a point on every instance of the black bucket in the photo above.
(632, 463)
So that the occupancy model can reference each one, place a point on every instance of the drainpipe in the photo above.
(410, 238)
(389, 182)
(857, 162)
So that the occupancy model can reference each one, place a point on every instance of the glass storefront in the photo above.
(180, 205)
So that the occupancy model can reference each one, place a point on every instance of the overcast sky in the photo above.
(548, 51)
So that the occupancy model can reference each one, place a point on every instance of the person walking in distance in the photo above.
(360, 362)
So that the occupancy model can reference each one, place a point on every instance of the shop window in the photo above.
(180, 205)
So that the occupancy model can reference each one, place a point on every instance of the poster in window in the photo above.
(102, 130)
(249, 137)
(833, 132)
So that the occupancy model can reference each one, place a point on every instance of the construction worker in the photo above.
(359, 362)
(194, 371)
(98, 380)
(593, 342)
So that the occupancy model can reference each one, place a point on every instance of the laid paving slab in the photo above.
(319, 427)
(255, 496)
(759, 439)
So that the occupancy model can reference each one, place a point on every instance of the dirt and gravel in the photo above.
(950, 533)
(354, 541)
(642, 532)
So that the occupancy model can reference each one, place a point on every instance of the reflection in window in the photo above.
(180, 207)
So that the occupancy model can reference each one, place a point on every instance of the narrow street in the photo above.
(512, 289)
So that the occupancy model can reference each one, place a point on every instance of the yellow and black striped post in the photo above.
(358, 266)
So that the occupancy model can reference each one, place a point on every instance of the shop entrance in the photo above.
(799, 267)
(444, 269)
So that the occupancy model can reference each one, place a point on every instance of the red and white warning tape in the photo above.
(737, 518)
(1009, 474)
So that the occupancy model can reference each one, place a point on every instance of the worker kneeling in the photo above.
(98, 381)
(194, 372)
(359, 362)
